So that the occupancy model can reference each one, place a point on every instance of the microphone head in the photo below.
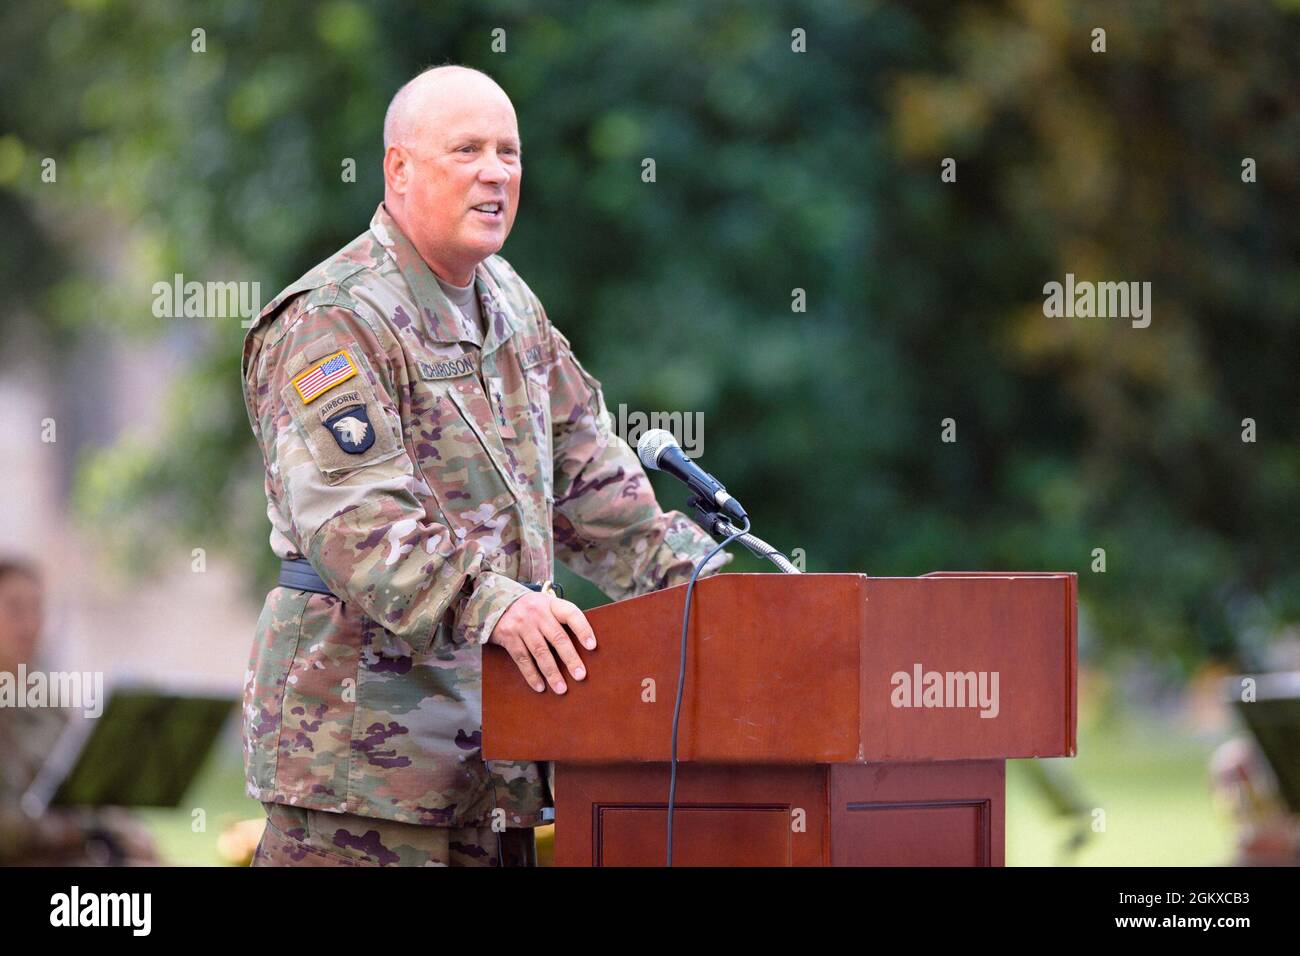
(652, 445)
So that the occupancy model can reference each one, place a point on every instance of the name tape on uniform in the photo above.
(533, 355)
(450, 368)
(324, 375)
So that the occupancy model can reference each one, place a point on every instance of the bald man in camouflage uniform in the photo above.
(424, 463)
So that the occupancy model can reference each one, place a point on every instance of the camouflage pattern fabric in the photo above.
(296, 836)
(424, 476)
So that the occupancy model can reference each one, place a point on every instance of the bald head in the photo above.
(452, 168)
(422, 102)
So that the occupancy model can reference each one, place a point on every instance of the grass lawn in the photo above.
(1149, 778)
(185, 837)
(1152, 782)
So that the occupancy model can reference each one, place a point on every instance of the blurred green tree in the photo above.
(776, 170)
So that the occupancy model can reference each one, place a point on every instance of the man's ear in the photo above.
(397, 169)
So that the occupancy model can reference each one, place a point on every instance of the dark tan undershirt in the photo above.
(466, 301)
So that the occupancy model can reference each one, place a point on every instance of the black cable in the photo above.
(681, 678)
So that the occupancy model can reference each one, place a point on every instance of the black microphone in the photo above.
(658, 449)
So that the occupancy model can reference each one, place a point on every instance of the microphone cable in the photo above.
(681, 677)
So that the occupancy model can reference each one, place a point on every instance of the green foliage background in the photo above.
(775, 170)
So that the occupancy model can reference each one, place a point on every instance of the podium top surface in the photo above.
(812, 668)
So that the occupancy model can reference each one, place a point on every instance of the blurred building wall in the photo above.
(178, 626)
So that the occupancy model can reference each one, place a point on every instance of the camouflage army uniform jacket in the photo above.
(423, 477)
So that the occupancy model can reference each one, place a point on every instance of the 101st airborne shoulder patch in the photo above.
(322, 375)
(348, 420)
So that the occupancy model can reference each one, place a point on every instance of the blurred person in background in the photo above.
(1243, 783)
(58, 837)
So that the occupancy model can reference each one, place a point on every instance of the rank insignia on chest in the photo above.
(352, 429)
(323, 375)
(504, 426)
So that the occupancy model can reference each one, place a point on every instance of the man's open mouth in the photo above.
(493, 210)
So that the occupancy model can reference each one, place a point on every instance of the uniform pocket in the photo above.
(274, 648)
(319, 703)
(344, 425)
(537, 383)
(460, 471)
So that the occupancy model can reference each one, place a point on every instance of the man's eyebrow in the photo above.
(456, 139)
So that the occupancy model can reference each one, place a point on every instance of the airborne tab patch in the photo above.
(324, 375)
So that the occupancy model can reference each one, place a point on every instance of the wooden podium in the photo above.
(828, 719)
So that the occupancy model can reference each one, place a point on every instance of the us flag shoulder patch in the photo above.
(323, 375)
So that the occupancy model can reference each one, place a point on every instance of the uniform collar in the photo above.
(442, 319)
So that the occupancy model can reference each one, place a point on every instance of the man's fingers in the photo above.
(558, 638)
(542, 654)
(534, 624)
(571, 616)
(523, 659)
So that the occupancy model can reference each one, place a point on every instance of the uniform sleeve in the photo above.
(341, 477)
(608, 526)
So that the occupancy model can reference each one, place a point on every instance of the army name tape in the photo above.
(533, 355)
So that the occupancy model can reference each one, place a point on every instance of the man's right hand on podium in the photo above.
(535, 623)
